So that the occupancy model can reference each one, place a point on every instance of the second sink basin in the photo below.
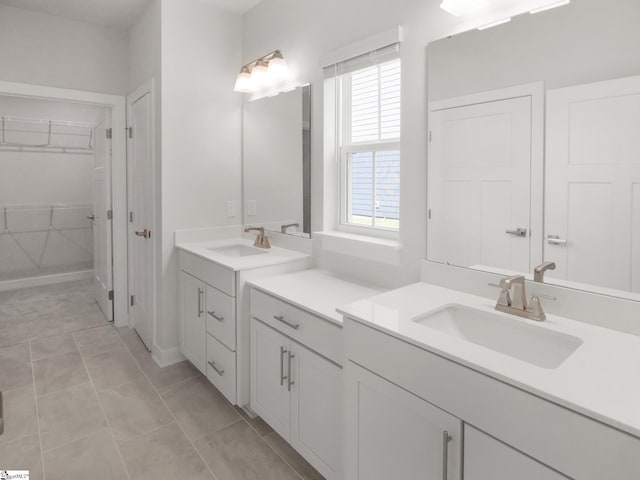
(238, 250)
(530, 343)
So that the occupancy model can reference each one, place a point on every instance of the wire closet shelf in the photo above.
(25, 134)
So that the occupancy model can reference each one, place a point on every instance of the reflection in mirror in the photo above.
(490, 206)
(277, 162)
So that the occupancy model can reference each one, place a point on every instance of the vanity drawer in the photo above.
(310, 330)
(221, 317)
(221, 368)
(209, 272)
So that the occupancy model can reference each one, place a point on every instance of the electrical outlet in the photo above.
(251, 208)
(231, 208)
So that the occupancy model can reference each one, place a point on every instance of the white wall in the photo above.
(201, 134)
(304, 31)
(46, 50)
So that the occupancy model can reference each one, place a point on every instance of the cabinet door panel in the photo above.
(487, 458)
(192, 321)
(269, 395)
(394, 434)
(316, 411)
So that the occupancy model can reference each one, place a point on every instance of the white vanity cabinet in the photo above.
(296, 389)
(508, 432)
(208, 321)
(192, 321)
(392, 433)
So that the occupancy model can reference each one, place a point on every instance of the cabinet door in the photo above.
(487, 458)
(270, 397)
(392, 434)
(192, 321)
(316, 410)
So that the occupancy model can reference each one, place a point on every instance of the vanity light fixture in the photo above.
(495, 24)
(462, 7)
(265, 73)
(544, 8)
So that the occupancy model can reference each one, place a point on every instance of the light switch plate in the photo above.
(231, 208)
(251, 208)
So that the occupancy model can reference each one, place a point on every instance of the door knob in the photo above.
(144, 233)
(518, 232)
(91, 217)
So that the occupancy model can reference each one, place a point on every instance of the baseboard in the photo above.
(28, 282)
(166, 357)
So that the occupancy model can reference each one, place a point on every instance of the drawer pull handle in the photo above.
(282, 375)
(446, 438)
(290, 381)
(213, 314)
(218, 371)
(1, 416)
(200, 310)
(280, 318)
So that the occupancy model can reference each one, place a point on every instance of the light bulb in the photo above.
(243, 82)
(259, 76)
(278, 69)
(462, 7)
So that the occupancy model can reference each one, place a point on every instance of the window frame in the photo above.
(346, 147)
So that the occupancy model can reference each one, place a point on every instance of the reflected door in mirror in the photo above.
(592, 218)
(479, 182)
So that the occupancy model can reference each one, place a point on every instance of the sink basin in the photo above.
(238, 250)
(530, 343)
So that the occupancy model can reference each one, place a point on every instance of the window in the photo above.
(368, 113)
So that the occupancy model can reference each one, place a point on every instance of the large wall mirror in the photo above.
(534, 150)
(277, 162)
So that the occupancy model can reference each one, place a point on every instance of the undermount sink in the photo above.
(527, 342)
(238, 250)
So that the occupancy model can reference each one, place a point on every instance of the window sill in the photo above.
(383, 250)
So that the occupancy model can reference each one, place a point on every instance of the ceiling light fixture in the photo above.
(269, 73)
(495, 24)
(544, 8)
(462, 7)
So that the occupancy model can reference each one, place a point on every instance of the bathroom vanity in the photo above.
(297, 360)
(214, 306)
(460, 387)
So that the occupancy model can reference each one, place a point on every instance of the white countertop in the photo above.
(601, 379)
(273, 255)
(316, 291)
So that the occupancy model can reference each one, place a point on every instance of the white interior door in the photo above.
(101, 221)
(592, 185)
(140, 193)
(480, 184)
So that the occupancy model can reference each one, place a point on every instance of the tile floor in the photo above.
(84, 400)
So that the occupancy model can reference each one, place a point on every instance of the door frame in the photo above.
(150, 88)
(535, 90)
(117, 103)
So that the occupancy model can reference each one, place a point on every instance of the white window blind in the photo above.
(368, 120)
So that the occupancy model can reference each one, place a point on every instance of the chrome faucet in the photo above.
(283, 228)
(538, 272)
(516, 304)
(262, 241)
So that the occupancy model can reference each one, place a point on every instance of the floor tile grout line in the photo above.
(95, 391)
(35, 397)
(153, 430)
(262, 437)
(241, 418)
(178, 423)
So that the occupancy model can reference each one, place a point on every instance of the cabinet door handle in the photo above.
(518, 232)
(218, 371)
(280, 318)
(200, 310)
(556, 240)
(213, 314)
(290, 381)
(1, 416)
(446, 438)
(282, 375)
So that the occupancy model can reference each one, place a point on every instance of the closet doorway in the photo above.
(63, 191)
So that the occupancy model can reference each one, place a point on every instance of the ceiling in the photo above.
(120, 14)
